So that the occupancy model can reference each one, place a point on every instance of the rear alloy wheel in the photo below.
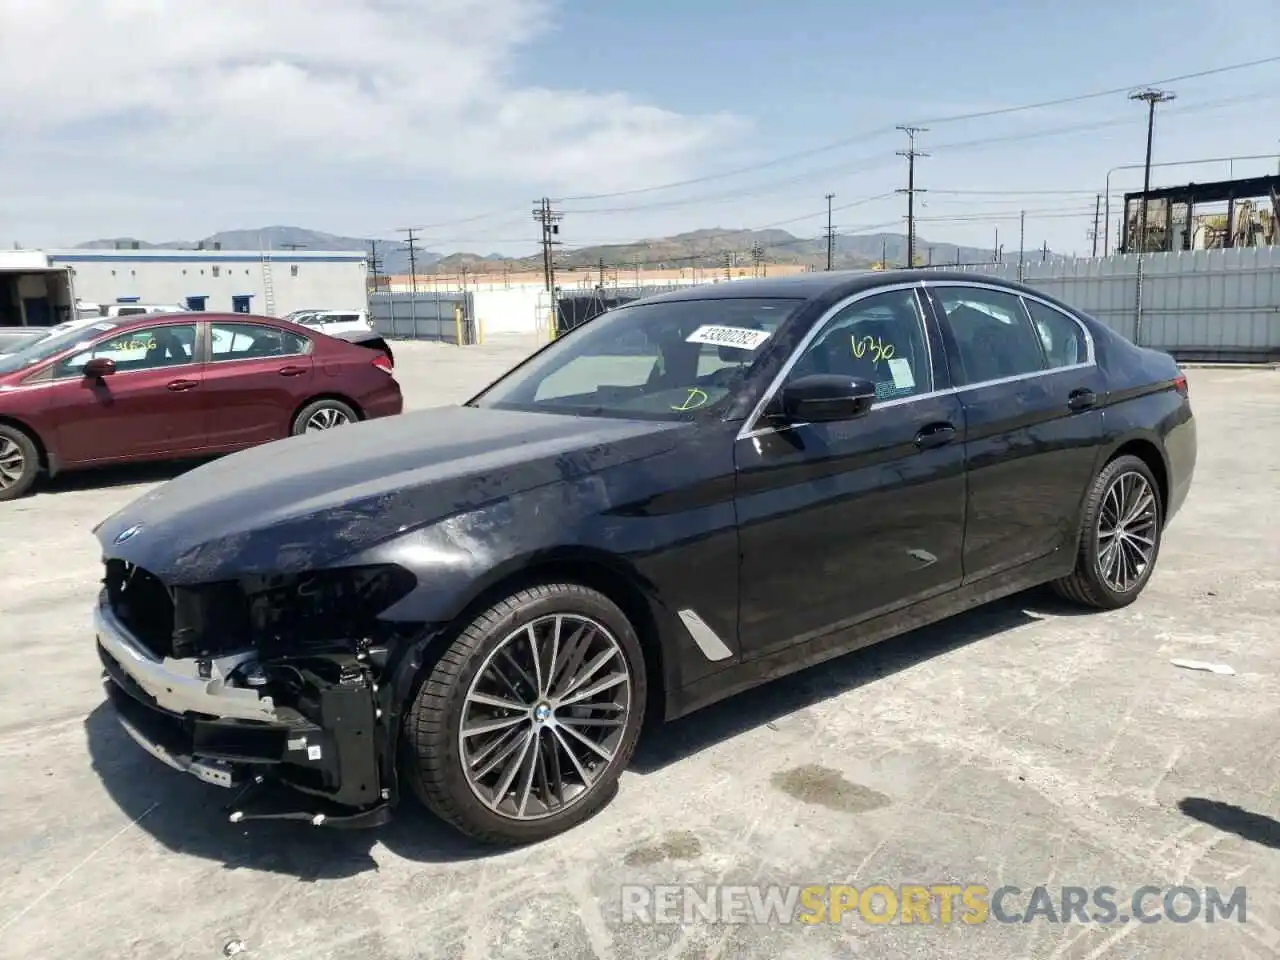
(1120, 537)
(19, 462)
(323, 415)
(524, 725)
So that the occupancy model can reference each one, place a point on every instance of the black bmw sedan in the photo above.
(673, 502)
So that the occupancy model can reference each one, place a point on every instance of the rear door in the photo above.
(1030, 387)
(149, 407)
(256, 376)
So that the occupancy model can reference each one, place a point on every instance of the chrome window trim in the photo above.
(749, 431)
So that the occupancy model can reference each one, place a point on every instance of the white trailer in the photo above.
(35, 293)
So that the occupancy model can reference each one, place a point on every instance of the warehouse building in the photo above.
(40, 286)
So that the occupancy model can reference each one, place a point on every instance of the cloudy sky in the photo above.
(164, 120)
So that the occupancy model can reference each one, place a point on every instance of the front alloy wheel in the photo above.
(545, 714)
(19, 462)
(522, 727)
(1120, 532)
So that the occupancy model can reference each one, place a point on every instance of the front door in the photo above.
(150, 406)
(839, 522)
(256, 377)
(1031, 388)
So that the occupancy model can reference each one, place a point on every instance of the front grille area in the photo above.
(142, 604)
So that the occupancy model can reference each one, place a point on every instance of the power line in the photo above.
(954, 118)
(870, 162)
(876, 161)
(911, 153)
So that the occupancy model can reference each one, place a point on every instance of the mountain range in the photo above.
(705, 249)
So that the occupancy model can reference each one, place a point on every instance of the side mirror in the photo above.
(823, 398)
(99, 367)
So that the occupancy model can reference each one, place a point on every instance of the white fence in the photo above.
(1196, 304)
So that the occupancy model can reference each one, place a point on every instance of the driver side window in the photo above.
(146, 349)
(880, 338)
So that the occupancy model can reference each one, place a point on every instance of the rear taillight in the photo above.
(1180, 384)
(383, 363)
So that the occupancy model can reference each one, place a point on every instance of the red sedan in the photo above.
(169, 386)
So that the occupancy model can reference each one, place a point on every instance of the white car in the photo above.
(113, 310)
(332, 322)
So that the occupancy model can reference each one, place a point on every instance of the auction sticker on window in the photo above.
(740, 337)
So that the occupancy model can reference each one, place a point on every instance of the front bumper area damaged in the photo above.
(249, 722)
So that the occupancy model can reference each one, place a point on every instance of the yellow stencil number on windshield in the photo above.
(695, 399)
(877, 348)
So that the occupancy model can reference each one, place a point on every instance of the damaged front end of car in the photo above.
(265, 681)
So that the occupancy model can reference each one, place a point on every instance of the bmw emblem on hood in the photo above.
(128, 533)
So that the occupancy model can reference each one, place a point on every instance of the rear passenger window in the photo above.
(243, 341)
(879, 338)
(1062, 337)
(993, 334)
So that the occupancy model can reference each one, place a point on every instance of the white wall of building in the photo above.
(517, 308)
(300, 279)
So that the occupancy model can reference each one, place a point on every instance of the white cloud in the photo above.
(246, 88)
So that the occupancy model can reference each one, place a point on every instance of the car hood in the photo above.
(307, 502)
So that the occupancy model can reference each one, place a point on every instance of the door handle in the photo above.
(292, 371)
(1081, 399)
(177, 386)
(935, 435)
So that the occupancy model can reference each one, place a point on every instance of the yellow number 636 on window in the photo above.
(878, 349)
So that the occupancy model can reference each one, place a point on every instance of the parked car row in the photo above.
(676, 501)
(174, 385)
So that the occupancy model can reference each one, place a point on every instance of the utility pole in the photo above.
(995, 249)
(601, 273)
(831, 236)
(375, 264)
(412, 240)
(1097, 212)
(1044, 252)
(911, 153)
(1022, 240)
(727, 259)
(884, 254)
(549, 219)
(1150, 97)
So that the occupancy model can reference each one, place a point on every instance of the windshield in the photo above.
(666, 360)
(52, 345)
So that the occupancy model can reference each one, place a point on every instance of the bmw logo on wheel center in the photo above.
(128, 533)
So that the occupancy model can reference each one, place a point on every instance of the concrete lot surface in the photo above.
(1023, 744)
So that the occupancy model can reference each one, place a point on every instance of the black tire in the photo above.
(21, 463)
(1086, 584)
(433, 722)
(305, 415)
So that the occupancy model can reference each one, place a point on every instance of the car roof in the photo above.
(823, 284)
